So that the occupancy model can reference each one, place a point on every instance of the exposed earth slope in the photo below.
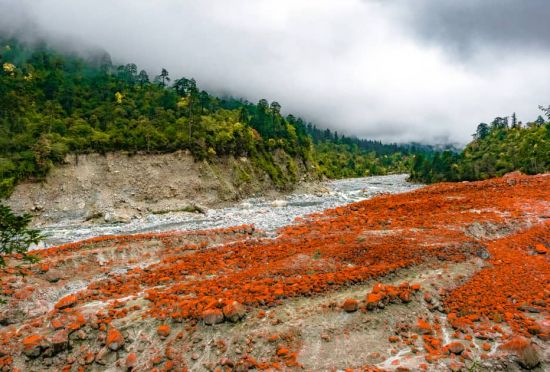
(450, 276)
(117, 187)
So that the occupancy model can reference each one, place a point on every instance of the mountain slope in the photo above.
(53, 104)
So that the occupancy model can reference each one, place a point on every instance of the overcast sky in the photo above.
(401, 70)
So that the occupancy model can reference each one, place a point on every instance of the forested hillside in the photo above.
(497, 148)
(52, 104)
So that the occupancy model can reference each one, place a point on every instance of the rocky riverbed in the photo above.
(266, 214)
(447, 277)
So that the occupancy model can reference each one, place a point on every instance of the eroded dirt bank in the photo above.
(447, 277)
(116, 187)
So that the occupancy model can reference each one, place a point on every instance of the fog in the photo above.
(428, 70)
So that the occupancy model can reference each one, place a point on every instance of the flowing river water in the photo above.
(267, 215)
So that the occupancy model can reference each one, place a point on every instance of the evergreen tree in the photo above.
(15, 235)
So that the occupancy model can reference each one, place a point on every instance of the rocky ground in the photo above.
(117, 187)
(447, 277)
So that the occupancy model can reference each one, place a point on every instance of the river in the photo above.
(267, 215)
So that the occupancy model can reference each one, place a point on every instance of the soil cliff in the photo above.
(117, 187)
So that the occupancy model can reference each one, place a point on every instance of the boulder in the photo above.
(34, 345)
(350, 305)
(65, 302)
(234, 311)
(455, 347)
(526, 353)
(114, 340)
(212, 316)
(163, 331)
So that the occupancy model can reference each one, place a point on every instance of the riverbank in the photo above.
(118, 187)
(266, 213)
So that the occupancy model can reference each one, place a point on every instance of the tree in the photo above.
(15, 236)
(143, 78)
(500, 123)
(482, 131)
(515, 121)
(163, 77)
(539, 121)
(546, 111)
(275, 107)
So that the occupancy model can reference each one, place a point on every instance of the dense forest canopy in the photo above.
(503, 146)
(52, 104)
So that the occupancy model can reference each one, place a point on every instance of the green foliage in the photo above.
(496, 150)
(338, 160)
(15, 236)
(53, 104)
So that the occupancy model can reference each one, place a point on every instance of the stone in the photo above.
(455, 347)
(33, 345)
(53, 276)
(212, 316)
(279, 203)
(456, 366)
(65, 302)
(114, 340)
(350, 305)
(163, 331)
(59, 341)
(105, 356)
(234, 311)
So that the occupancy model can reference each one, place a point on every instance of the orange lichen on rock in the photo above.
(212, 316)
(131, 361)
(184, 277)
(233, 311)
(65, 302)
(515, 284)
(115, 339)
(350, 305)
(164, 330)
(32, 345)
(525, 351)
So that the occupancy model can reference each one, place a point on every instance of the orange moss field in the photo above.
(506, 218)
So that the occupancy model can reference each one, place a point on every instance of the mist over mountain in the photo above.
(382, 70)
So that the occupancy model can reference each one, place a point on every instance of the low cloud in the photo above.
(377, 69)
